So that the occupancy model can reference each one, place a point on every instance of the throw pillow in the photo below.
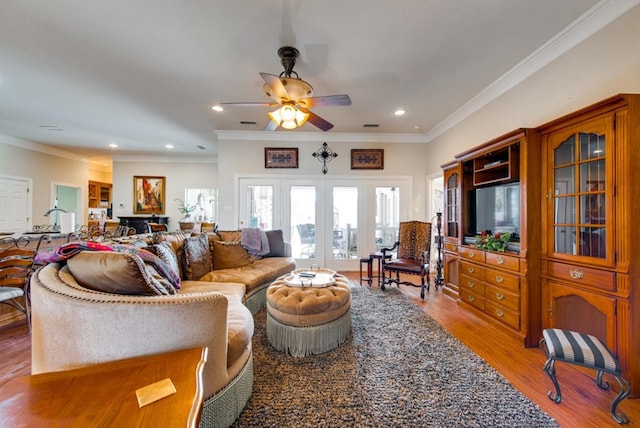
(197, 257)
(229, 255)
(117, 273)
(167, 255)
(276, 243)
(176, 240)
(230, 235)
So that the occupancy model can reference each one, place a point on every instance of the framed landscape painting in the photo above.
(148, 194)
(367, 158)
(280, 158)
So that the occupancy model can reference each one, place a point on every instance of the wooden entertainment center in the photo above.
(569, 190)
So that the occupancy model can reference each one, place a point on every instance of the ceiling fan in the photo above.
(294, 96)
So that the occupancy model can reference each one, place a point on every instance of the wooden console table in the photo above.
(105, 394)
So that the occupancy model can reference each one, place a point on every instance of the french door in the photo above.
(328, 222)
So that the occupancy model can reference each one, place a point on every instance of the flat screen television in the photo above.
(495, 208)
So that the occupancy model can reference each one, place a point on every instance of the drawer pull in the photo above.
(472, 254)
(472, 284)
(500, 260)
(454, 248)
(576, 274)
(499, 312)
(472, 298)
(500, 296)
(471, 270)
(499, 279)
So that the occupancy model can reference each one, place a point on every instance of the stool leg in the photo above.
(601, 384)
(550, 369)
(625, 388)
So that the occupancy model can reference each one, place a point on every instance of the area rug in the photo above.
(398, 368)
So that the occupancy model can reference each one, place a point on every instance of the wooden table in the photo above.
(104, 395)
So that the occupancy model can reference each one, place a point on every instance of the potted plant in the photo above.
(493, 242)
(186, 222)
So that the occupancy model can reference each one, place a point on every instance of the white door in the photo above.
(328, 222)
(301, 216)
(259, 203)
(15, 204)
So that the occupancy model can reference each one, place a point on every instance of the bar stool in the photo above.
(368, 261)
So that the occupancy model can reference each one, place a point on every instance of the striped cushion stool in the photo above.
(586, 351)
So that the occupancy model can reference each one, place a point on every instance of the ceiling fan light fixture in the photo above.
(288, 117)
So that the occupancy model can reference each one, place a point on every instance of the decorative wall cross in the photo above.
(324, 155)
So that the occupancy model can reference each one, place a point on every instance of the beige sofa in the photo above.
(76, 323)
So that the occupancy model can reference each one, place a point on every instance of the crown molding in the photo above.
(592, 21)
(344, 137)
(165, 159)
(36, 147)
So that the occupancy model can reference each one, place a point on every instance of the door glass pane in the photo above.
(565, 239)
(591, 146)
(592, 209)
(387, 216)
(593, 242)
(345, 223)
(259, 207)
(303, 222)
(565, 210)
(565, 153)
(564, 180)
(592, 176)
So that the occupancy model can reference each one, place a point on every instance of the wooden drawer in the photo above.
(597, 278)
(502, 280)
(473, 285)
(472, 298)
(472, 270)
(472, 254)
(512, 319)
(451, 247)
(503, 261)
(501, 297)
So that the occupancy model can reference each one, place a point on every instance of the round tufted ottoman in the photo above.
(303, 321)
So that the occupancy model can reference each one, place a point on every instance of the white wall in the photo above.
(247, 157)
(605, 64)
(25, 159)
(179, 175)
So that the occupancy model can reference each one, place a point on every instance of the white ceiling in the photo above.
(79, 74)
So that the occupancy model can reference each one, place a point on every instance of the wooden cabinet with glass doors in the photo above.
(590, 201)
(451, 232)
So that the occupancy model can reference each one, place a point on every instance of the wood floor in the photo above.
(583, 403)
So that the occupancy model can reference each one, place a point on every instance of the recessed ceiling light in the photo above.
(169, 146)
(113, 145)
(399, 112)
(217, 108)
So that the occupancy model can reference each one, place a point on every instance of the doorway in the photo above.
(67, 197)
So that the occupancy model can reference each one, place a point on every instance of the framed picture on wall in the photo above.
(280, 157)
(148, 194)
(367, 158)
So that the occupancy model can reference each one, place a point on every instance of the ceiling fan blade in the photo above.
(250, 104)
(278, 91)
(271, 126)
(316, 120)
(325, 101)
